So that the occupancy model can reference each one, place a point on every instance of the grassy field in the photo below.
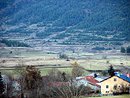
(89, 61)
(44, 71)
(121, 96)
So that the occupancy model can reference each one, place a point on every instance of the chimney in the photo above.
(128, 75)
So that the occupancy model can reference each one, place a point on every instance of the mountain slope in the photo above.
(73, 21)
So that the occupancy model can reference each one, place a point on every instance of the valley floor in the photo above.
(45, 61)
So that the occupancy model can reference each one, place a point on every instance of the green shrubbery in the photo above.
(11, 43)
(125, 49)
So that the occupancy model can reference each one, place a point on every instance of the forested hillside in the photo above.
(73, 21)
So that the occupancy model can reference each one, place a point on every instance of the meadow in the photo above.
(45, 61)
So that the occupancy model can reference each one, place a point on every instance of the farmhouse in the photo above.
(116, 84)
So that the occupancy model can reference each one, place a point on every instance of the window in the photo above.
(107, 86)
(107, 91)
(115, 79)
(115, 87)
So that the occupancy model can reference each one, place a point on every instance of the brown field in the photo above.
(47, 60)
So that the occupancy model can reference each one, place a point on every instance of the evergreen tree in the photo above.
(32, 78)
(123, 50)
(2, 86)
(128, 49)
(111, 71)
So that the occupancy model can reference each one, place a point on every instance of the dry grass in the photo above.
(92, 62)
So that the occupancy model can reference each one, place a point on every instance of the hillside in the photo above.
(77, 22)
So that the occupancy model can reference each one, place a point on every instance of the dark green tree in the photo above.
(128, 49)
(111, 71)
(63, 56)
(123, 50)
(2, 86)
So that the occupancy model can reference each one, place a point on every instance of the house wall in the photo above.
(111, 85)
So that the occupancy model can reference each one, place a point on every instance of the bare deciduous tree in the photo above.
(56, 75)
(65, 89)
(77, 70)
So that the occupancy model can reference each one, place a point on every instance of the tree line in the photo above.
(125, 49)
(13, 43)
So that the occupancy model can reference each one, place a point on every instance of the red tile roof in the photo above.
(92, 80)
(128, 75)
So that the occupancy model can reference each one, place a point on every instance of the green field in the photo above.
(121, 96)
(44, 71)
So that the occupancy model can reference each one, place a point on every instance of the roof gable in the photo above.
(124, 77)
(121, 77)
